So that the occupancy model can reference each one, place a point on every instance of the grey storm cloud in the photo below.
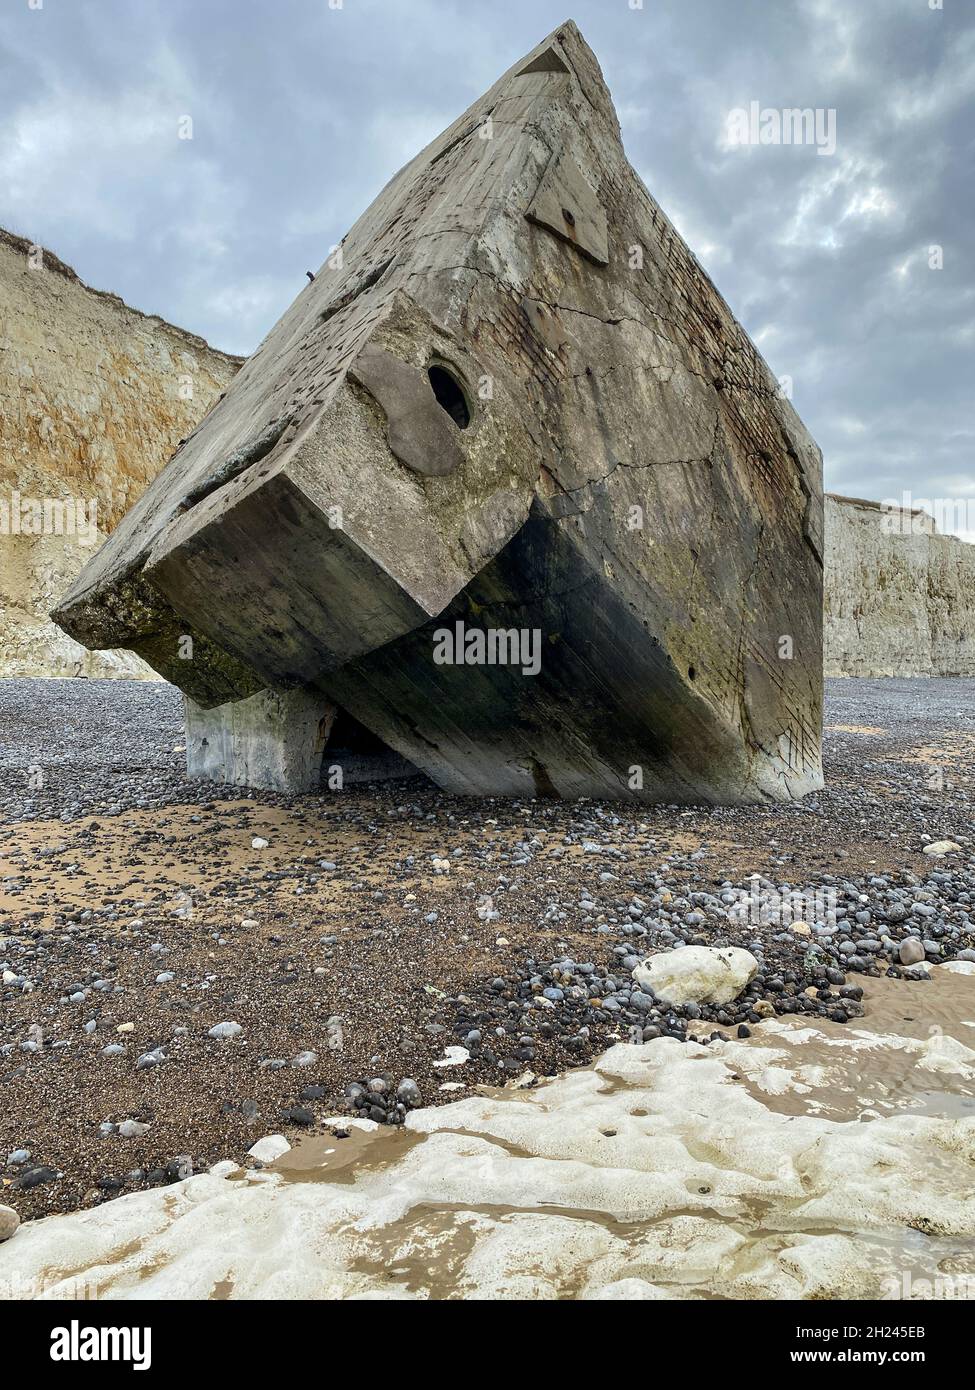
(302, 109)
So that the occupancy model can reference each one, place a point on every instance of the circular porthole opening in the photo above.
(450, 395)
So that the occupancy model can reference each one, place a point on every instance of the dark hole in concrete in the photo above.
(362, 754)
(449, 394)
(691, 673)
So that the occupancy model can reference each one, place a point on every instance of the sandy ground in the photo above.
(136, 914)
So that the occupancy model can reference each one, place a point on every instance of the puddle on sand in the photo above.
(943, 1103)
(917, 1008)
(945, 1006)
(901, 1057)
(328, 1158)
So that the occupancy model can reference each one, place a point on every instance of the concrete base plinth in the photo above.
(273, 741)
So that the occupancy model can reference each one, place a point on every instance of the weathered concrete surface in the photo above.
(94, 396)
(900, 598)
(274, 739)
(615, 474)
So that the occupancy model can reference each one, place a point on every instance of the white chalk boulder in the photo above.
(697, 974)
(9, 1221)
(226, 1030)
(269, 1148)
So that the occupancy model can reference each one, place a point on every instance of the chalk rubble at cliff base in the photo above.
(772, 1168)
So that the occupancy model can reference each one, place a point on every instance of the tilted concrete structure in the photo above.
(512, 400)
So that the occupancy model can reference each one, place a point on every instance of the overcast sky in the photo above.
(302, 111)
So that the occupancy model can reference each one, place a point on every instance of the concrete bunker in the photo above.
(518, 404)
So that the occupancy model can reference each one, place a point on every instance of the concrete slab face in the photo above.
(512, 398)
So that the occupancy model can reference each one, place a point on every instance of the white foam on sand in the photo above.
(663, 1171)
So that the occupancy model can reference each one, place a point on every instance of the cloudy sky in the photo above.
(302, 109)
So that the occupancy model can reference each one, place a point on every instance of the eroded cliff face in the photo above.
(94, 398)
(899, 597)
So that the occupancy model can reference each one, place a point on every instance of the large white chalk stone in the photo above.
(698, 974)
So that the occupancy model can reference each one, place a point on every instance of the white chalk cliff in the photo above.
(94, 398)
(899, 597)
